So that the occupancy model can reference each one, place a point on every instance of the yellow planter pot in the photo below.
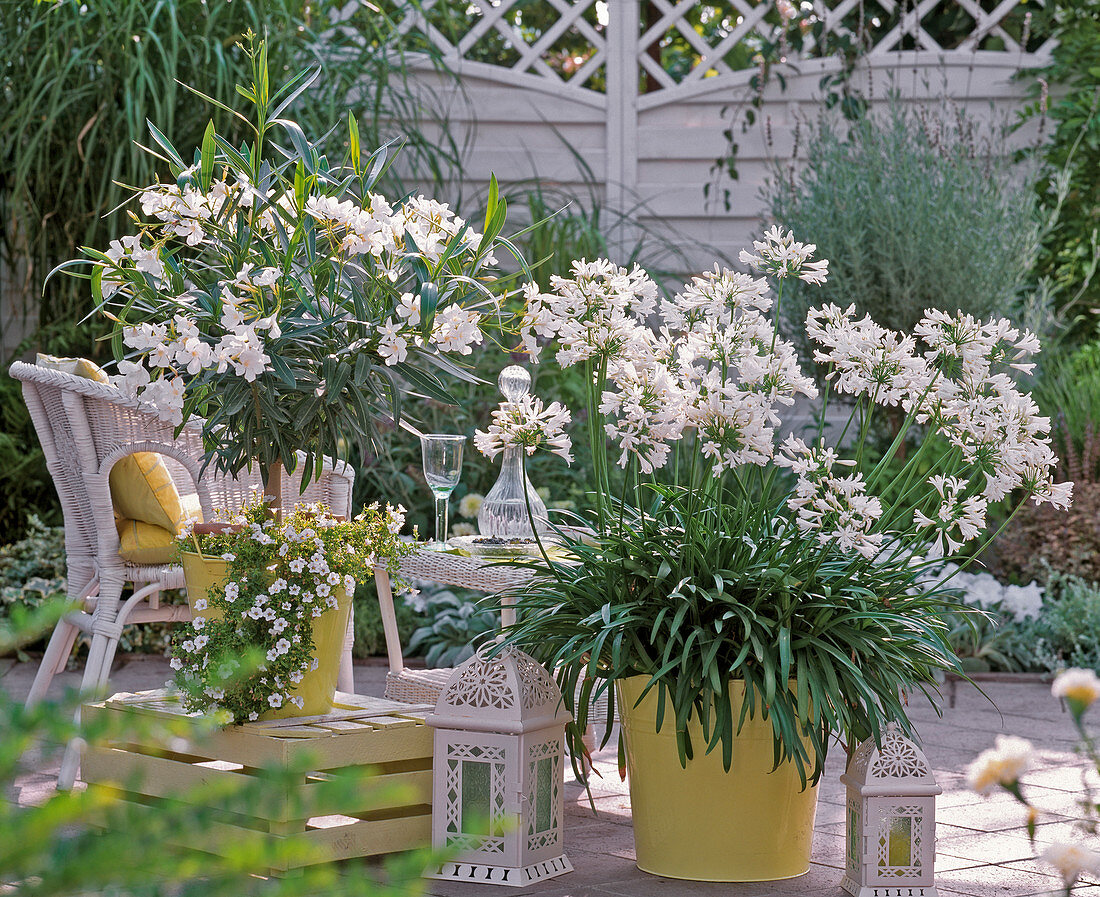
(702, 823)
(317, 687)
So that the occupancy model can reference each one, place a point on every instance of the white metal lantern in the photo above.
(891, 843)
(498, 772)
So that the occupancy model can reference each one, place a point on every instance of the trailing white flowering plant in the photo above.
(726, 549)
(282, 575)
(1004, 766)
(278, 294)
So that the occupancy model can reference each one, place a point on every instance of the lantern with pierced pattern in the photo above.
(891, 813)
(498, 770)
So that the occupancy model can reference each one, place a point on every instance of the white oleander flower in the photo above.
(392, 346)
(1002, 764)
(456, 329)
(526, 424)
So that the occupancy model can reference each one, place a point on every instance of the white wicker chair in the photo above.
(85, 428)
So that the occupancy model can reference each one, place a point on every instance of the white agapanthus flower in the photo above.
(780, 255)
(836, 508)
(526, 424)
(646, 412)
(964, 516)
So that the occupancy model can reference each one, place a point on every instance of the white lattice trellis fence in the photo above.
(641, 89)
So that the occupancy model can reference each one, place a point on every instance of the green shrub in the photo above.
(370, 638)
(1067, 631)
(1069, 147)
(32, 570)
(457, 625)
(913, 210)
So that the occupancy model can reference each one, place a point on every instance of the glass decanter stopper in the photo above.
(504, 511)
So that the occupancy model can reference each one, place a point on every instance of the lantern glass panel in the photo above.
(901, 841)
(544, 789)
(855, 835)
(476, 797)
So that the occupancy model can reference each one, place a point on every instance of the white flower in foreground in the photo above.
(1071, 861)
(1002, 764)
(1080, 688)
(525, 424)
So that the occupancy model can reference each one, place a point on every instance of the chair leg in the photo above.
(345, 679)
(96, 673)
(58, 650)
(53, 661)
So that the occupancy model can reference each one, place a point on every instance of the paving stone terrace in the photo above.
(982, 844)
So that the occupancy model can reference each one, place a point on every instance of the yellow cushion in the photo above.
(80, 367)
(143, 543)
(142, 489)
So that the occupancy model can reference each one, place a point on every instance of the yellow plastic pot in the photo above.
(703, 823)
(318, 686)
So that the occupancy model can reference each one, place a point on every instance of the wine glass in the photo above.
(442, 455)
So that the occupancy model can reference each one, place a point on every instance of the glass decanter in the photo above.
(504, 511)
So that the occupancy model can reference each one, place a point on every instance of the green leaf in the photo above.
(353, 137)
(165, 144)
(206, 168)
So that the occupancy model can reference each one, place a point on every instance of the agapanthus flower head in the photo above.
(528, 425)
(646, 412)
(835, 508)
(780, 255)
(958, 519)
(599, 312)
